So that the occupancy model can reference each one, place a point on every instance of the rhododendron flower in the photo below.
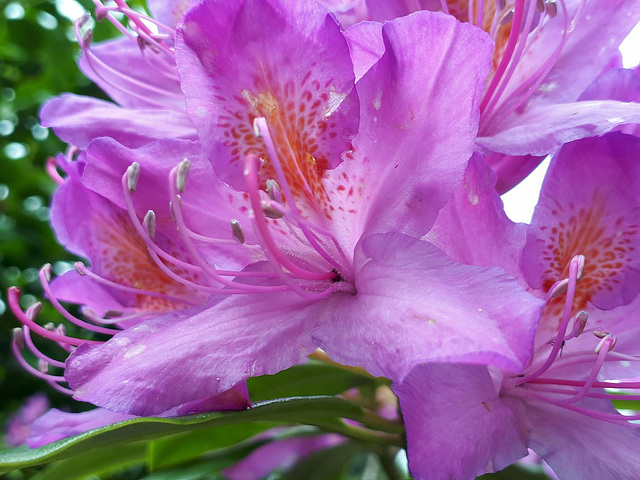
(581, 253)
(324, 243)
(531, 103)
(19, 425)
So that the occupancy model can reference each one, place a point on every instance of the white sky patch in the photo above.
(520, 201)
(630, 49)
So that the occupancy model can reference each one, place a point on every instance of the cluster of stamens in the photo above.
(523, 21)
(541, 383)
(313, 272)
(155, 41)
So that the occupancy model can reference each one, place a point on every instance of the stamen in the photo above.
(260, 124)
(52, 170)
(195, 255)
(45, 279)
(559, 340)
(26, 338)
(83, 270)
(251, 174)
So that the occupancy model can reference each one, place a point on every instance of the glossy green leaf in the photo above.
(324, 412)
(97, 462)
(327, 464)
(179, 448)
(514, 473)
(313, 378)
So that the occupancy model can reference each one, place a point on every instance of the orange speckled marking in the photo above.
(460, 10)
(299, 117)
(606, 241)
(122, 257)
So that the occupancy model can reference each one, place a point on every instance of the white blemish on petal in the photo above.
(473, 199)
(137, 350)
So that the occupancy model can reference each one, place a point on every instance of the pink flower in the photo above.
(580, 253)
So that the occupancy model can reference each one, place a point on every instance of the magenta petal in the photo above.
(412, 154)
(294, 70)
(279, 454)
(579, 213)
(579, 447)
(473, 227)
(181, 357)
(78, 120)
(541, 130)
(457, 425)
(56, 425)
(365, 45)
(19, 424)
(414, 304)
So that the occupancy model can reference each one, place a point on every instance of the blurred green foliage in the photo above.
(37, 61)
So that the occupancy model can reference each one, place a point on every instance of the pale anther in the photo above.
(133, 175)
(18, 337)
(609, 340)
(33, 311)
(560, 288)
(46, 271)
(150, 223)
(80, 268)
(552, 8)
(181, 175)
(271, 210)
(581, 319)
(236, 229)
(43, 366)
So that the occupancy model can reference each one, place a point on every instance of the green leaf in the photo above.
(514, 473)
(324, 412)
(99, 462)
(205, 469)
(327, 464)
(313, 378)
(179, 448)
